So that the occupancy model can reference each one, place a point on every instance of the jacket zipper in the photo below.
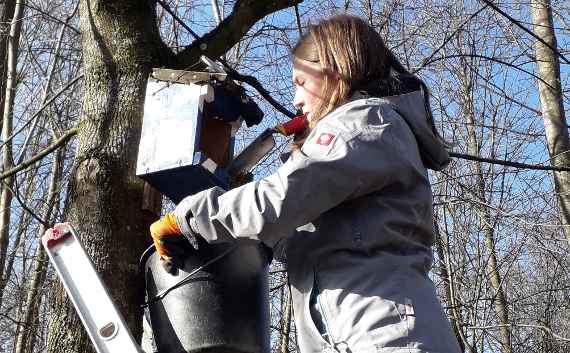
(340, 347)
(325, 318)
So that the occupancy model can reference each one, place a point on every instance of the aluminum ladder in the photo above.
(101, 319)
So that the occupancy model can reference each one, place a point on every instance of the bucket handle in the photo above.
(187, 278)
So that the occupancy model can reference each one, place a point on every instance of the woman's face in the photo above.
(308, 79)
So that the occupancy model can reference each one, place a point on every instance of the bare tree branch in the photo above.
(508, 163)
(541, 327)
(298, 19)
(254, 82)
(37, 113)
(177, 19)
(447, 39)
(22, 203)
(490, 59)
(59, 142)
(217, 42)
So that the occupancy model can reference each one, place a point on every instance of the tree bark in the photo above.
(120, 45)
(552, 106)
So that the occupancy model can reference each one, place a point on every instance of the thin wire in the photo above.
(518, 24)
(167, 8)
(170, 82)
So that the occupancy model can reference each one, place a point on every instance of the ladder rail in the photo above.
(103, 322)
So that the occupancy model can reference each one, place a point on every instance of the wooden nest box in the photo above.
(187, 139)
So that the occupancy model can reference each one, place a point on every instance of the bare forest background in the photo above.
(71, 98)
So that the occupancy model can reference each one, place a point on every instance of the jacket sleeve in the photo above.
(331, 167)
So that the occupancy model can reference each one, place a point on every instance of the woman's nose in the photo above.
(298, 100)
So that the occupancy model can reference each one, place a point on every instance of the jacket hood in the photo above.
(405, 92)
(411, 106)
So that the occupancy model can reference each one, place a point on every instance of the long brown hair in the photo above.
(350, 53)
(354, 57)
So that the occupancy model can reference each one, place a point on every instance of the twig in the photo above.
(541, 327)
(63, 139)
(48, 84)
(233, 73)
(447, 39)
(24, 206)
(176, 18)
(36, 114)
(216, 10)
(298, 17)
(517, 23)
(490, 59)
(277, 286)
(64, 22)
(281, 270)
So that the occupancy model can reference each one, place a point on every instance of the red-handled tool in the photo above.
(296, 125)
(263, 144)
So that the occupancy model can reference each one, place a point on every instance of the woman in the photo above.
(351, 209)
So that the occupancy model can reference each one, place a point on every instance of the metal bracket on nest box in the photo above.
(187, 77)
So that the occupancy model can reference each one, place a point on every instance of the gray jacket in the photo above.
(352, 213)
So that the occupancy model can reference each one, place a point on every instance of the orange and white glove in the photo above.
(169, 241)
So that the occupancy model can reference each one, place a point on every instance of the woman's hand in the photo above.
(170, 244)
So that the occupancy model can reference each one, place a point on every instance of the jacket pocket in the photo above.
(407, 318)
(393, 324)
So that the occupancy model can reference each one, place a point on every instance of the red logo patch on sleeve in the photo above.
(325, 139)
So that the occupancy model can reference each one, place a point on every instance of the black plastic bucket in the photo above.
(223, 307)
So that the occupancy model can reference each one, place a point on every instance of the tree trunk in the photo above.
(31, 305)
(7, 158)
(493, 272)
(552, 106)
(6, 13)
(286, 306)
(120, 44)
(447, 274)
(22, 228)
